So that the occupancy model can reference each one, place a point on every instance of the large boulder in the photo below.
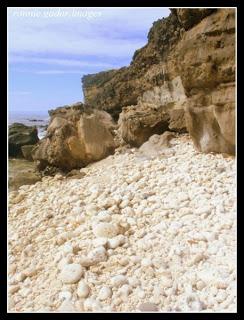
(212, 128)
(157, 144)
(76, 136)
(138, 123)
(20, 135)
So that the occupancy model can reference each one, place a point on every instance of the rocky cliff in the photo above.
(183, 79)
(115, 89)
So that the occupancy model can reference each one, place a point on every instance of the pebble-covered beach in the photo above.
(135, 234)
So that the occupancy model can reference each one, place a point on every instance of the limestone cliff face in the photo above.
(187, 70)
(115, 89)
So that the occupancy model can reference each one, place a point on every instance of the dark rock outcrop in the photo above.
(20, 135)
(21, 172)
(190, 17)
(27, 151)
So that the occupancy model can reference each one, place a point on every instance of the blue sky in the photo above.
(50, 49)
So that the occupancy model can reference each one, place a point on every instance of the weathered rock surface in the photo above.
(76, 136)
(137, 124)
(190, 17)
(20, 135)
(177, 120)
(112, 90)
(212, 129)
(27, 151)
(154, 113)
(189, 62)
(156, 144)
(21, 172)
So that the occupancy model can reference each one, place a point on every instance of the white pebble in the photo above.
(106, 230)
(104, 293)
(98, 255)
(92, 304)
(125, 290)
(67, 248)
(25, 292)
(83, 289)
(141, 293)
(166, 281)
(65, 295)
(116, 242)
(104, 216)
(203, 210)
(200, 285)
(146, 262)
(134, 282)
(71, 273)
(91, 209)
(20, 277)
(118, 280)
(98, 242)
(63, 262)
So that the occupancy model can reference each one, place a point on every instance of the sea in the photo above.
(39, 120)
